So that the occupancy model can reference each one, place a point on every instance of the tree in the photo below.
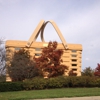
(72, 73)
(22, 67)
(97, 70)
(88, 71)
(49, 62)
(2, 58)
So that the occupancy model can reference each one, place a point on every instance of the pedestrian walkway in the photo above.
(74, 98)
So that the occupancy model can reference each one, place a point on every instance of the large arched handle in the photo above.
(57, 30)
(40, 28)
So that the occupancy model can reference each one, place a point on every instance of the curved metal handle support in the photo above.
(57, 30)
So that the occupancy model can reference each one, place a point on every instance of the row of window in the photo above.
(72, 56)
(39, 49)
(36, 49)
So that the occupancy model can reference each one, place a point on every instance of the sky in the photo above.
(78, 20)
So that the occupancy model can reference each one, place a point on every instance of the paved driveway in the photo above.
(74, 98)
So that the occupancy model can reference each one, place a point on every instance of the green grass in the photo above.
(49, 93)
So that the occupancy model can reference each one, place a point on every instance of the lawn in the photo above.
(49, 93)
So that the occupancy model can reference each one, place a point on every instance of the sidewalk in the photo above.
(74, 98)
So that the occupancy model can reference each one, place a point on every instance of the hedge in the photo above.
(34, 84)
(61, 82)
(38, 83)
(11, 86)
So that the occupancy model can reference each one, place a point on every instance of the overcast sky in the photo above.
(78, 20)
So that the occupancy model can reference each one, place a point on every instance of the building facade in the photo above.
(72, 56)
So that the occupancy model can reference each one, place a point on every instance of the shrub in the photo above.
(82, 81)
(39, 83)
(55, 82)
(98, 82)
(35, 83)
(61, 82)
(64, 81)
(11, 86)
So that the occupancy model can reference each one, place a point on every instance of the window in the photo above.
(74, 60)
(73, 50)
(37, 54)
(74, 64)
(17, 48)
(37, 49)
(74, 69)
(74, 55)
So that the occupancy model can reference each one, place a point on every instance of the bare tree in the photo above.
(2, 57)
